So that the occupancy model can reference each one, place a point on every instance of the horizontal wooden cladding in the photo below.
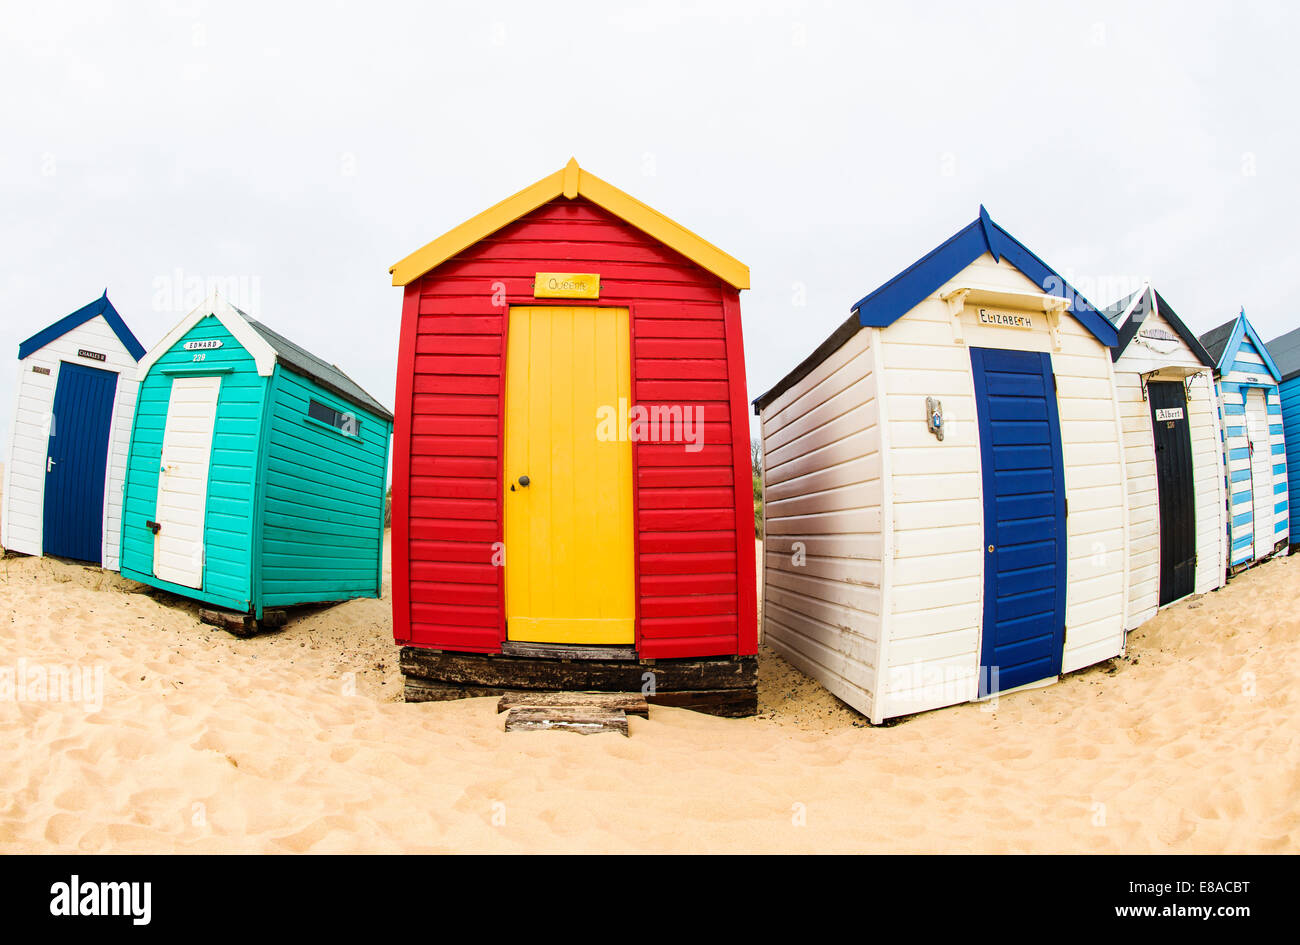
(447, 445)
(457, 364)
(430, 342)
(685, 477)
(671, 369)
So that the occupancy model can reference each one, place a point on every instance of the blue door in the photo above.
(1024, 518)
(76, 461)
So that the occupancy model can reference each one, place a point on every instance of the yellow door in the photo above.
(568, 555)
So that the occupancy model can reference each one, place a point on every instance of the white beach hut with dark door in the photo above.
(1173, 456)
(944, 508)
(66, 457)
(1254, 444)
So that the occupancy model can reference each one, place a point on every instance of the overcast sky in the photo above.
(152, 148)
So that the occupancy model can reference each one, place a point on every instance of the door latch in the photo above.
(153, 527)
(49, 464)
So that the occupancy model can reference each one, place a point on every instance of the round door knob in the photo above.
(523, 481)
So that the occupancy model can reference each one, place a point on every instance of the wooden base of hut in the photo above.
(726, 686)
(243, 625)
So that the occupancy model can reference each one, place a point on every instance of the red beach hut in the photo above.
(571, 474)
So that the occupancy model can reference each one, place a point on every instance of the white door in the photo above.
(1261, 470)
(183, 480)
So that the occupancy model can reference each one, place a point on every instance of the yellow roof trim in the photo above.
(570, 182)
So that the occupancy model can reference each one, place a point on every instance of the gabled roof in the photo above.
(267, 349)
(101, 306)
(902, 293)
(1137, 307)
(329, 376)
(572, 181)
(1116, 313)
(1285, 351)
(1223, 341)
(910, 287)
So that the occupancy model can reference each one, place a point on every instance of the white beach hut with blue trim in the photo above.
(1173, 456)
(944, 503)
(73, 407)
(1254, 445)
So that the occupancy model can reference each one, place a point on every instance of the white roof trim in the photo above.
(234, 322)
(1137, 300)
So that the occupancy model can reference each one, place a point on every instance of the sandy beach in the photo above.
(298, 741)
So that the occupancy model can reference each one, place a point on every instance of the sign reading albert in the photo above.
(566, 285)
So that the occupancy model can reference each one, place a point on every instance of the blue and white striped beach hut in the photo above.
(1253, 442)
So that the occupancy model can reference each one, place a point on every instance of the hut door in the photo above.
(1173, 443)
(183, 480)
(568, 477)
(76, 462)
(1261, 470)
(1024, 518)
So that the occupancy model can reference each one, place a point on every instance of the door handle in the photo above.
(49, 464)
(153, 527)
(523, 483)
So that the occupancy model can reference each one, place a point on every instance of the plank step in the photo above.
(630, 702)
(567, 651)
(585, 720)
(243, 625)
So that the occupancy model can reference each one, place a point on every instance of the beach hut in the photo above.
(1253, 444)
(944, 512)
(67, 445)
(1173, 456)
(571, 470)
(257, 471)
(1285, 352)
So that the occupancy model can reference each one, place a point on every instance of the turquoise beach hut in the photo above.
(256, 473)
(1254, 446)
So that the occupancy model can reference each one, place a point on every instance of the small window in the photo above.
(346, 423)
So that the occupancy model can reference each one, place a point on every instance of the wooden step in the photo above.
(630, 702)
(585, 720)
(243, 625)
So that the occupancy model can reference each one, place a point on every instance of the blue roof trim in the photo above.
(1242, 330)
(101, 306)
(906, 290)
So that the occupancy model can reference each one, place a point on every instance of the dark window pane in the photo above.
(345, 422)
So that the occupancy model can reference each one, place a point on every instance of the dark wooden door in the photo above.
(1173, 443)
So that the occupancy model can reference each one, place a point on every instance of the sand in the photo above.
(296, 741)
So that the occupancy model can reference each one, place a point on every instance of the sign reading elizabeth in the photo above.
(1005, 319)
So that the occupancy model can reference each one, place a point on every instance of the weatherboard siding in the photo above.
(694, 585)
(822, 569)
(1247, 370)
(935, 496)
(323, 498)
(1140, 470)
(1289, 400)
(24, 473)
(229, 515)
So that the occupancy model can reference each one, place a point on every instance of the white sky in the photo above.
(296, 153)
